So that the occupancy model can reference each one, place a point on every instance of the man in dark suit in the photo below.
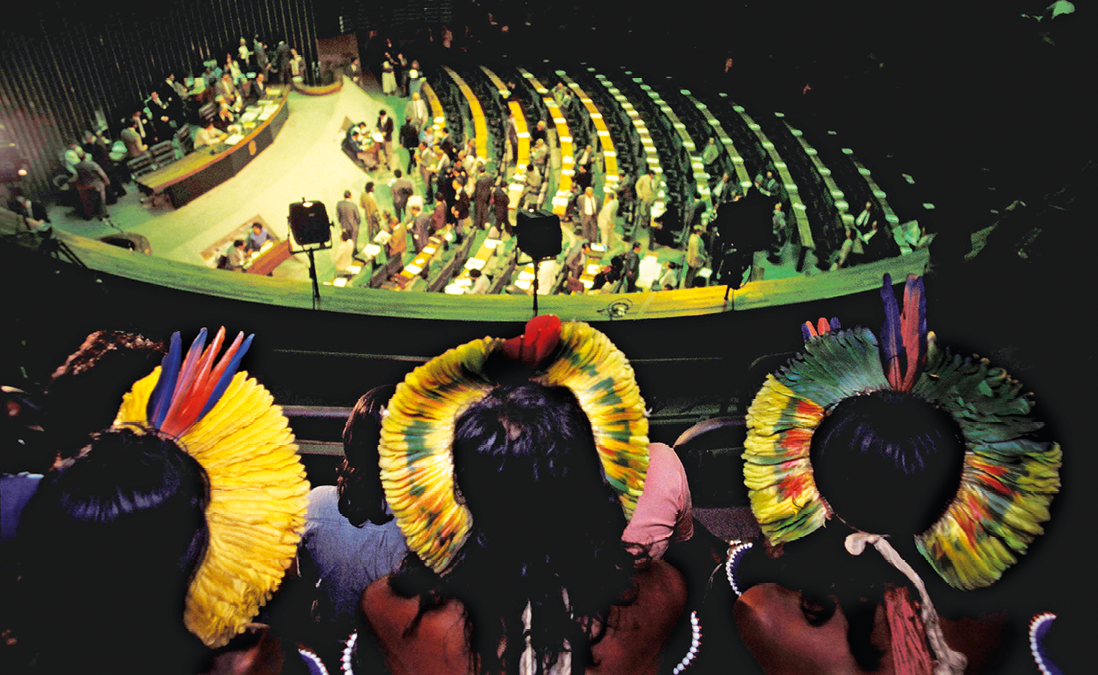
(98, 148)
(512, 136)
(349, 218)
(582, 179)
(631, 268)
(540, 133)
(501, 203)
(385, 128)
(409, 139)
(482, 193)
(446, 144)
(421, 227)
(161, 116)
(91, 185)
(284, 56)
(400, 190)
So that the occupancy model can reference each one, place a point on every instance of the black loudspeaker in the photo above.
(538, 234)
(309, 223)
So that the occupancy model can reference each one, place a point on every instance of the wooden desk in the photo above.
(206, 168)
(267, 260)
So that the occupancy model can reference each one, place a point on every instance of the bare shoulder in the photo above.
(384, 607)
(436, 646)
(637, 631)
(660, 584)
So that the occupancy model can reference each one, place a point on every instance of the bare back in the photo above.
(632, 642)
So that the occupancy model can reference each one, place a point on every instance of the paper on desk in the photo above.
(524, 284)
(492, 243)
(526, 275)
(454, 289)
(592, 269)
(429, 250)
(234, 139)
(463, 281)
(413, 269)
(474, 264)
(372, 250)
(383, 237)
(587, 283)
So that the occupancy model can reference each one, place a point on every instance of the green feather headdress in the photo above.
(1009, 477)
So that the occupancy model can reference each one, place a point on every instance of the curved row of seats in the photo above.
(638, 126)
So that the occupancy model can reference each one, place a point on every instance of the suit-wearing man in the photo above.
(631, 267)
(400, 190)
(91, 182)
(646, 197)
(421, 227)
(482, 194)
(427, 162)
(285, 55)
(409, 140)
(589, 213)
(398, 243)
(373, 213)
(416, 110)
(512, 137)
(349, 219)
(501, 203)
(607, 217)
(385, 128)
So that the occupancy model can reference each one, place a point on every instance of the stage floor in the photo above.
(304, 161)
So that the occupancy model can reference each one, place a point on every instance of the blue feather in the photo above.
(157, 407)
(891, 337)
(226, 377)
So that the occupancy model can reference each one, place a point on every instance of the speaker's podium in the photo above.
(539, 236)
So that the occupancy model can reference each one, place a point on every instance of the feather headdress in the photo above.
(417, 435)
(258, 491)
(1009, 477)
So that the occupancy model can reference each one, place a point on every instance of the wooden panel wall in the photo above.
(62, 61)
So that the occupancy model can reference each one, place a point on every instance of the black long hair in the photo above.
(108, 547)
(546, 532)
(358, 480)
(887, 463)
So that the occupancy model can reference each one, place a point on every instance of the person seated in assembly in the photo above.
(209, 135)
(127, 565)
(886, 451)
(131, 137)
(21, 204)
(224, 116)
(259, 236)
(259, 89)
(234, 257)
(501, 489)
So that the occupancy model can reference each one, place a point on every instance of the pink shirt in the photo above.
(663, 511)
